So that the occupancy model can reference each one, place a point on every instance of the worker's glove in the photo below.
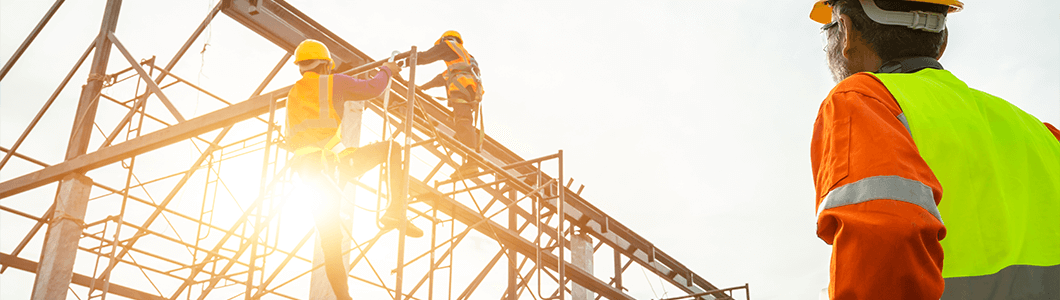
(395, 70)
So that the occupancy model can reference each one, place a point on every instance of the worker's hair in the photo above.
(894, 41)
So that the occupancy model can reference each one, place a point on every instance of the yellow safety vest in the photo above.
(311, 116)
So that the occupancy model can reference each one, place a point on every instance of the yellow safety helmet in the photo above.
(450, 33)
(822, 12)
(311, 49)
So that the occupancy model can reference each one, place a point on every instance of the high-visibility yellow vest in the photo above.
(999, 168)
(311, 116)
(461, 75)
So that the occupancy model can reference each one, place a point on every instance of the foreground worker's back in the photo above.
(999, 168)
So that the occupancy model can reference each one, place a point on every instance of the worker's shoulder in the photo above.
(858, 90)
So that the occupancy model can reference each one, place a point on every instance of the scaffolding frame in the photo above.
(542, 213)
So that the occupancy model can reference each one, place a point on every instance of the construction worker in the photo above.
(463, 87)
(314, 107)
(912, 166)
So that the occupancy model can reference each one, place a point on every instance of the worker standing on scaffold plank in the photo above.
(313, 118)
(463, 87)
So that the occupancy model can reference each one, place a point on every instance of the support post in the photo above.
(410, 115)
(512, 267)
(582, 258)
(64, 230)
(618, 269)
(560, 234)
(60, 244)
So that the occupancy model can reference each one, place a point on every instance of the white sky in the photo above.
(688, 121)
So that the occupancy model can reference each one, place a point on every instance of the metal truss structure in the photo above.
(162, 230)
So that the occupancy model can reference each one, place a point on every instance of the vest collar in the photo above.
(910, 64)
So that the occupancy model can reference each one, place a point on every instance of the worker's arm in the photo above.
(876, 198)
(436, 82)
(351, 89)
(1053, 130)
(436, 53)
(347, 88)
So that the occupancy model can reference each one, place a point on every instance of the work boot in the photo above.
(392, 222)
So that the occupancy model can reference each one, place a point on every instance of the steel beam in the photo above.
(60, 243)
(8, 260)
(146, 78)
(29, 39)
(47, 104)
(158, 80)
(209, 122)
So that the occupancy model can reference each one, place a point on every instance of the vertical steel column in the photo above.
(559, 231)
(512, 268)
(60, 244)
(410, 104)
(434, 243)
(618, 269)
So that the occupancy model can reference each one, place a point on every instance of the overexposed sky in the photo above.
(687, 121)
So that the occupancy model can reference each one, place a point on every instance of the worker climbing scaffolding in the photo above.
(313, 118)
(463, 86)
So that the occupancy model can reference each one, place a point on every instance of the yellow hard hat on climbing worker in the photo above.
(312, 49)
(822, 12)
(448, 34)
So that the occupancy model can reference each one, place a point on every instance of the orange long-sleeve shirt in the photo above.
(881, 248)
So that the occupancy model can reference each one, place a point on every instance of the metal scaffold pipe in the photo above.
(410, 106)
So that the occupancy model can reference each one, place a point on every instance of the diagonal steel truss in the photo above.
(513, 225)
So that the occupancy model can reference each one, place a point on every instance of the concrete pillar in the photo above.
(582, 258)
(320, 287)
(60, 244)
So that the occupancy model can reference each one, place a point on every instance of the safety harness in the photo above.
(462, 73)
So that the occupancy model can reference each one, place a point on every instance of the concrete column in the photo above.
(60, 244)
(582, 258)
(320, 287)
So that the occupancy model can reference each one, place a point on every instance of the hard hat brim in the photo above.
(822, 13)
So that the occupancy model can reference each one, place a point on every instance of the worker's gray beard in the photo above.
(837, 63)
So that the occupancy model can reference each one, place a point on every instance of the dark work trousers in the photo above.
(464, 115)
(312, 171)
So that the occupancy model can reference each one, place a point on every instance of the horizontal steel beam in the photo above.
(209, 122)
(8, 260)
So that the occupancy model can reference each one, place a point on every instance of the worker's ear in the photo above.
(945, 40)
(849, 34)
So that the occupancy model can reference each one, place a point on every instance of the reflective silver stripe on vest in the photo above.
(882, 187)
(324, 120)
(1012, 282)
(323, 97)
(901, 117)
